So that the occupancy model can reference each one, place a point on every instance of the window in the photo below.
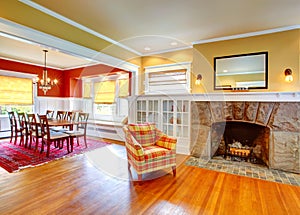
(15, 90)
(17, 108)
(123, 86)
(87, 89)
(105, 109)
(105, 92)
(110, 96)
(16, 94)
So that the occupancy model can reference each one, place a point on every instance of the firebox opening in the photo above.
(241, 141)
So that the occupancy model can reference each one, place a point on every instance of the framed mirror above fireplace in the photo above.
(242, 71)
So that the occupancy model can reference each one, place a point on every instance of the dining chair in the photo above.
(11, 116)
(49, 137)
(23, 126)
(35, 131)
(80, 129)
(70, 115)
(15, 128)
(50, 114)
(61, 114)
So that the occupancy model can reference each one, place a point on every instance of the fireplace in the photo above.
(277, 143)
(241, 141)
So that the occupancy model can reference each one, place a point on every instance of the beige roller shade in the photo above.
(104, 92)
(87, 90)
(15, 90)
(123, 88)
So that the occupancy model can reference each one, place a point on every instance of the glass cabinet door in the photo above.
(182, 129)
(147, 111)
(141, 111)
(168, 117)
(176, 118)
(153, 112)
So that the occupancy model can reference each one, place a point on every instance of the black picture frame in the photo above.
(251, 61)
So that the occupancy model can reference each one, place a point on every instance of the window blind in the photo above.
(15, 90)
(87, 90)
(104, 92)
(123, 88)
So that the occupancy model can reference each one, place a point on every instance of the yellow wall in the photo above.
(283, 50)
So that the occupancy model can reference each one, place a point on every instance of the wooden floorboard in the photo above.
(99, 183)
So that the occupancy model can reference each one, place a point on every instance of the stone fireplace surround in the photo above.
(280, 113)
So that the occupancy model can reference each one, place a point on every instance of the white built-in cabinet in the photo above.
(175, 119)
(148, 111)
(172, 116)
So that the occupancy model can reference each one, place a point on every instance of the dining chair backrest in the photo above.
(33, 125)
(12, 122)
(50, 113)
(44, 126)
(22, 121)
(70, 115)
(12, 119)
(82, 121)
(61, 114)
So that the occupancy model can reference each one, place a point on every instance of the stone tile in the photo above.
(246, 169)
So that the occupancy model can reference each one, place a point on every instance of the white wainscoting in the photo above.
(96, 128)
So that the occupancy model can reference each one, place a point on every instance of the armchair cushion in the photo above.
(166, 142)
(155, 152)
(143, 133)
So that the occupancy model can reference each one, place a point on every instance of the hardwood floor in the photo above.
(98, 183)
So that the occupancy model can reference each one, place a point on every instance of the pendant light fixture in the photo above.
(45, 83)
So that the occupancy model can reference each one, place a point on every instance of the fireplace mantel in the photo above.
(249, 96)
(234, 96)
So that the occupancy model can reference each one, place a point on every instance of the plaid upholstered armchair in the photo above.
(149, 149)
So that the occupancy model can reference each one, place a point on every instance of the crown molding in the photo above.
(25, 34)
(250, 34)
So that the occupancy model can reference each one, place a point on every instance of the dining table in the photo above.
(61, 122)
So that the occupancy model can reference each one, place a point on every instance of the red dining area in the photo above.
(46, 108)
(52, 129)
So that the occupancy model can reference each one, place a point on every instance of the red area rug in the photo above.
(15, 157)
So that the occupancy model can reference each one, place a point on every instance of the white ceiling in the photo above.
(25, 51)
(137, 24)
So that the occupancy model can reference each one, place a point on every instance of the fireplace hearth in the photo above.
(241, 141)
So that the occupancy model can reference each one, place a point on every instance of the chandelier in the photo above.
(45, 83)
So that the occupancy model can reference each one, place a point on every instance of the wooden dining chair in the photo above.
(80, 129)
(23, 126)
(70, 115)
(50, 114)
(11, 116)
(49, 137)
(61, 114)
(35, 131)
(16, 129)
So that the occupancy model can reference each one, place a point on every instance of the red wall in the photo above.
(56, 91)
(69, 83)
